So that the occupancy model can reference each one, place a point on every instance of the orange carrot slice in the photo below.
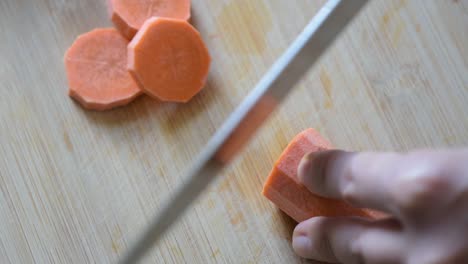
(96, 70)
(168, 59)
(129, 15)
(284, 190)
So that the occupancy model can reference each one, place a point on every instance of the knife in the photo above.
(272, 89)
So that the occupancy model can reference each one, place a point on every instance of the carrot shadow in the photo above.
(193, 17)
(288, 225)
(181, 114)
(139, 109)
(195, 22)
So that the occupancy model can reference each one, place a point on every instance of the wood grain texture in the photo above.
(78, 186)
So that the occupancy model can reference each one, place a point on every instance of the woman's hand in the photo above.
(426, 194)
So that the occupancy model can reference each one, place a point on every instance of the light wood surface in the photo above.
(78, 186)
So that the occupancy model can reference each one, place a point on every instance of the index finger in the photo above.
(387, 182)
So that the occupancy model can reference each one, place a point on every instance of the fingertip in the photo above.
(301, 241)
(309, 239)
(314, 168)
(348, 239)
(301, 245)
(301, 229)
(305, 169)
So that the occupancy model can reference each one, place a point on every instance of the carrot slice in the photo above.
(129, 15)
(96, 70)
(168, 59)
(284, 190)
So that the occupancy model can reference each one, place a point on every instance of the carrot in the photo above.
(168, 59)
(96, 70)
(284, 190)
(129, 15)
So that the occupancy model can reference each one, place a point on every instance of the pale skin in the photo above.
(425, 194)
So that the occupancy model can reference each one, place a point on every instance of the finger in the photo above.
(357, 178)
(349, 240)
(382, 181)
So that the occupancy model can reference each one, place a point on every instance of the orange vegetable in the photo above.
(129, 15)
(96, 70)
(168, 59)
(284, 190)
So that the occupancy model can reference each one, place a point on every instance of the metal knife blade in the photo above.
(272, 89)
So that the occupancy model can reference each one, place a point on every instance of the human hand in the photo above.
(425, 192)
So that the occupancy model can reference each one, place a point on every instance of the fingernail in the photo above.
(310, 170)
(313, 170)
(305, 168)
(302, 245)
(301, 242)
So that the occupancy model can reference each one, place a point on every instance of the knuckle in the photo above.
(356, 251)
(418, 187)
(350, 192)
(459, 255)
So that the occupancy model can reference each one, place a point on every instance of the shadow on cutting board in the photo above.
(289, 225)
(184, 112)
(141, 108)
(171, 115)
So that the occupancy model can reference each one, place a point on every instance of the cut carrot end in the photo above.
(282, 186)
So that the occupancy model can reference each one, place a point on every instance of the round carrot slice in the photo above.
(169, 60)
(129, 15)
(96, 70)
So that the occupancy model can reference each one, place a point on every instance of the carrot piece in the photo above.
(96, 70)
(129, 15)
(284, 190)
(168, 59)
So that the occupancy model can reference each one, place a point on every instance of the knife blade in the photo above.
(287, 71)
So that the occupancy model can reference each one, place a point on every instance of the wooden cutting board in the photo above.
(78, 186)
